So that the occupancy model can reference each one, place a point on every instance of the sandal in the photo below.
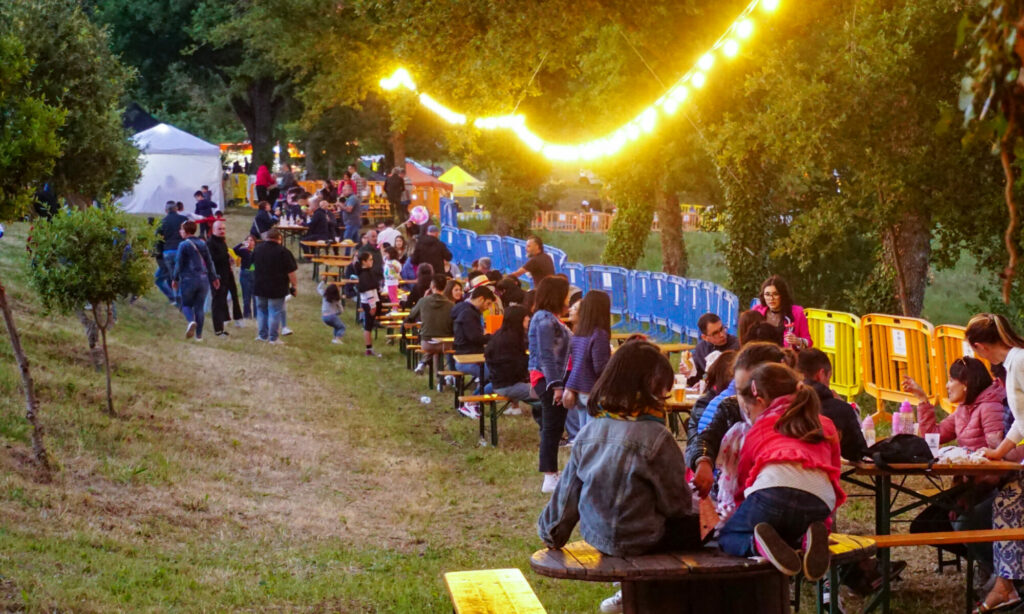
(1012, 602)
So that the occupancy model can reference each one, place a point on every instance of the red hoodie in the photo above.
(765, 445)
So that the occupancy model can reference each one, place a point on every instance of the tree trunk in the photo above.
(258, 110)
(673, 246)
(908, 251)
(106, 355)
(31, 405)
(398, 147)
(1007, 157)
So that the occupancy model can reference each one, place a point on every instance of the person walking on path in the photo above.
(274, 279)
(194, 275)
(169, 234)
(221, 257)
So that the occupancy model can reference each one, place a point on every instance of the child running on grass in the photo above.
(330, 309)
(368, 288)
(623, 482)
(788, 475)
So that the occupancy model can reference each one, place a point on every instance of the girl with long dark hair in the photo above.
(549, 365)
(778, 309)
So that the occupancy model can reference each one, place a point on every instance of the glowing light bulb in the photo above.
(670, 106)
(679, 93)
(648, 119)
(444, 112)
(632, 131)
(698, 79)
(745, 28)
(730, 48)
(706, 61)
(769, 5)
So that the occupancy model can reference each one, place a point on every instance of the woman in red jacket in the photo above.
(266, 189)
(778, 310)
(788, 475)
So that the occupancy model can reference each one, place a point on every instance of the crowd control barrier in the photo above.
(490, 246)
(837, 334)
(950, 344)
(892, 347)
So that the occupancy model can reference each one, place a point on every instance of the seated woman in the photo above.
(747, 321)
(623, 482)
(787, 476)
(778, 310)
(716, 379)
(506, 358)
(977, 423)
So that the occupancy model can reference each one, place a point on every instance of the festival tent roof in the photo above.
(464, 183)
(176, 164)
(418, 177)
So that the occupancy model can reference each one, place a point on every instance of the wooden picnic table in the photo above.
(292, 233)
(693, 582)
(880, 482)
(673, 408)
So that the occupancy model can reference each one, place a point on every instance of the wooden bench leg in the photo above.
(969, 590)
(483, 418)
(430, 370)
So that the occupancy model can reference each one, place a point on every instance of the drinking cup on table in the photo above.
(933, 441)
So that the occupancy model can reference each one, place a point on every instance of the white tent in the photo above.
(176, 165)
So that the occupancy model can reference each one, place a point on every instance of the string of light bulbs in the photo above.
(727, 46)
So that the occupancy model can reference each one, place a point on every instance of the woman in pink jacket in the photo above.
(978, 420)
(778, 310)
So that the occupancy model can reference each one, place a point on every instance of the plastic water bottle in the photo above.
(425, 400)
(903, 422)
(868, 426)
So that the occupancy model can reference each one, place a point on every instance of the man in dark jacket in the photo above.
(168, 233)
(394, 185)
(702, 447)
(274, 279)
(204, 209)
(264, 220)
(713, 338)
(369, 245)
(816, 369)
(431, 250)
(468, 326)
(222, 264)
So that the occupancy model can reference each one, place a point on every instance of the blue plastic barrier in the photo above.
(728, 308)
(613, 280)
(577, 275)
(662, 306)
(558, 257)
(639, 311)
(490, 246)
(514, 251)
(449, 214)
(465, 252)
(450, 237)
(680, 300)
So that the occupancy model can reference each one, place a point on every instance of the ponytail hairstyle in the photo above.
(634, 381)
(802, 419)
(993, 329)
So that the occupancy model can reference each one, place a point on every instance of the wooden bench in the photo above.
(491, 591)
(457, 376)
(948, 538)
(492, 401)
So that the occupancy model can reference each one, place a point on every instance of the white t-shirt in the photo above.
(793, 475)
(1014, 365)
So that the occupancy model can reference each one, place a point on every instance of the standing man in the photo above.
(274, 279)
(194, 275)
(388, 234)
(222, 264)
(431, 250)
(540, 264)
(394, 186)
(359, 181)
(169, 235)
(351, 214)
(713, 338)
(369, 246)
(406, 194)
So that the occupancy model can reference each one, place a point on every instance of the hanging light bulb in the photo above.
(706, 61)
(769, 5)
(698, 80)
(730, 48)
(745, 28)
(648, 119)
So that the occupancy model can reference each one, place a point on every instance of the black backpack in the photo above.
(902, 448)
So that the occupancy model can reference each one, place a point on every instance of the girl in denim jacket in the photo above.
(624, 483)
(549, 365)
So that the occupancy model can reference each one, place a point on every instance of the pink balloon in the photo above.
(419, 215)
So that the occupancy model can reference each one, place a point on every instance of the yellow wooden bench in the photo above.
(490, 400)
(492, 591)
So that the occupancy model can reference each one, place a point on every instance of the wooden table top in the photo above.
(581, 561)
(684, 405)
(468, 359)
(987, 468)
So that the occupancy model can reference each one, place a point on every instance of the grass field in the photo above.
(244, 477)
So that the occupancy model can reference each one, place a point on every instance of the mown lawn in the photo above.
(244, 477)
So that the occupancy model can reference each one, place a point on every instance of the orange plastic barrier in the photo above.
(837, 334)
(560, 221)
(593, 222)
(892, 347)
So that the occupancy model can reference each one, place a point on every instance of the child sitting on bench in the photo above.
(788, 475)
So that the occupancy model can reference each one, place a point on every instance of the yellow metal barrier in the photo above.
(892, 347)
(837, 334)
(950, 343)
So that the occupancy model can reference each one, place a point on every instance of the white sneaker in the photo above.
(449, 380)
(336, 341)
(550, 482)
(513, 411)
(258, 338)
(190, 330)
(286, 331)
(469, 410)
(276, 342)
(613, 604)
(239, 324)
(419, 368)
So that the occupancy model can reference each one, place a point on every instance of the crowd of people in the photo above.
(765, 439)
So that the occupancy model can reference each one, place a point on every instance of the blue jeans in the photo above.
(478, 371)
(247, 280)
(334, 321)
(164, 272)
(788, 510)
(352, 230)
(269, 312)
(193, 296)
(516, 392)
